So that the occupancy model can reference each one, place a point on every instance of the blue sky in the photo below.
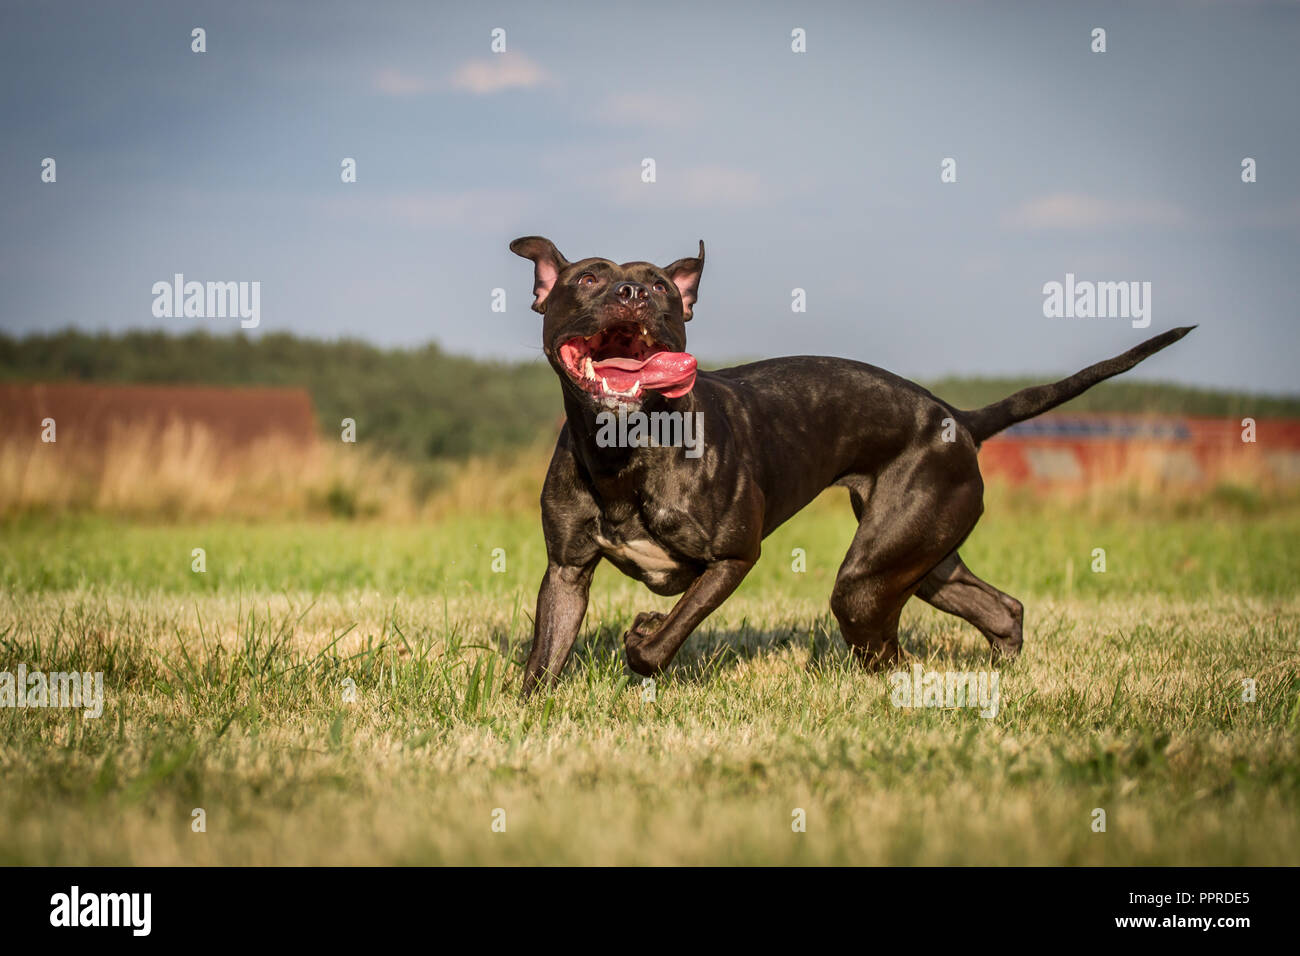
(817, 170)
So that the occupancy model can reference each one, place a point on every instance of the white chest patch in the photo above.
(645, 554)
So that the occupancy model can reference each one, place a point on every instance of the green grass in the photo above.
(225, 691)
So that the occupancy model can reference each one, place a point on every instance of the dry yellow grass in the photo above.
(182, 472)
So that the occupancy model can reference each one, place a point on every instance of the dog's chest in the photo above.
(637, 547)
(643, 552)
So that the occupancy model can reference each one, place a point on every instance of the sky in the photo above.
(816, 170)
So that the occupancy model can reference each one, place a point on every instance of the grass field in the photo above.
(225, 691)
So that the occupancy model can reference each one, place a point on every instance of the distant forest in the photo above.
(424, 404)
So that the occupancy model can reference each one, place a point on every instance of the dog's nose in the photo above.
(630, 292)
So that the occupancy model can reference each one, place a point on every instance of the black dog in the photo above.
(776, 433)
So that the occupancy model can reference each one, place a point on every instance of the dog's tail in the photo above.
(1026, 403)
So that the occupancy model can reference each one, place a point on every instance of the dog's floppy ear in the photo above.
(685, 274)
(547, 265)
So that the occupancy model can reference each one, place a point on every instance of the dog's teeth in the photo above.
(588, 370)
(613, 393)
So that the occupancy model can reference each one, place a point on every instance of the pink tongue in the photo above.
(672, 373)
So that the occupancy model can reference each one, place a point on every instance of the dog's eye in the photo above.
(661, 287)
(586, 279)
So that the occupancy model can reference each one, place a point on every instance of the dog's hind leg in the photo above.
(953, 588)
(909, 520)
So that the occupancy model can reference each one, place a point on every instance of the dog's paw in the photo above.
(638, 641)
(646, 624)
(878, 658)
(1004, 650)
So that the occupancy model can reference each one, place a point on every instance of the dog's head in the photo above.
(616, 334)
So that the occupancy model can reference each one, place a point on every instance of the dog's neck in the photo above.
(583, 426)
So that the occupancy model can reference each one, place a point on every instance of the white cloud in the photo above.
(1076, 211)
(396, 83)
(498, 72)
(501, 71)
(644, 109)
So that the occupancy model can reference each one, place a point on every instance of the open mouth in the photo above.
(623, 362)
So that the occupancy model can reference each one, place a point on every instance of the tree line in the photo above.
(423, 403)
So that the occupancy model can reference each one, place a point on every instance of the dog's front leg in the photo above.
(561, 604)
(654, 639)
